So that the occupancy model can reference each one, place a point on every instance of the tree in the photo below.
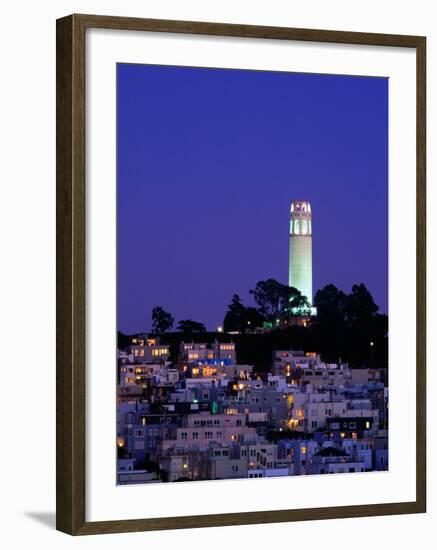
(360, 307)
(331, 331)
(187, 325)
(331, 304)
(271, 297)
(277, 300)
(233, 320)
(240, 318)
(251, 319)
(296, 303)
(161, 320)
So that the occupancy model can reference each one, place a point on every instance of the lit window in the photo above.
(158, 352)
(304, 227)
(296, 227)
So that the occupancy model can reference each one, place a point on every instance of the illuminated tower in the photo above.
(300, 273)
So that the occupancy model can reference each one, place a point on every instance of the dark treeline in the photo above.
(350, 325)
(276, 302)
(347, 327)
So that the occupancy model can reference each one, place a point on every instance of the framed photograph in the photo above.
(240, 274)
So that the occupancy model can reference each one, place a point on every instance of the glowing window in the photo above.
(304, 207)
(309, 207)
(310, 230)
(296, 227)
(291, 227)
(304, 227)
(292, 207)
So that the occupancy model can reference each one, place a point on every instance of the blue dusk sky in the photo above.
(208, 163)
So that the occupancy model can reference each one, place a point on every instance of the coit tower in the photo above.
(300, 273)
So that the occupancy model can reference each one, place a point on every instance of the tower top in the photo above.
(300, 206)
(300, 218)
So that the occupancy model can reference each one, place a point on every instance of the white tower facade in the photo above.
(300, 273)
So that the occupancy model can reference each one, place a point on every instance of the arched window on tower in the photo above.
(309, 207)
(310, 230)
(304, 227)
(304, 207)
(296, 227)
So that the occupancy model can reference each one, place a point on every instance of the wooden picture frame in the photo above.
(71, 247)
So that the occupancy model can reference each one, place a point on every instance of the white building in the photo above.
(300, 275)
